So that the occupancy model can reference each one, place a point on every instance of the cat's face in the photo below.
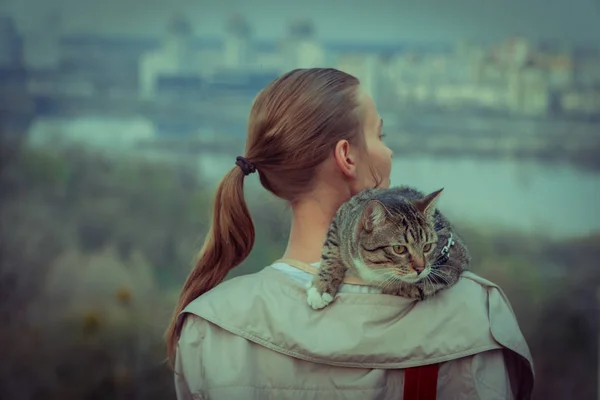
(398, 241)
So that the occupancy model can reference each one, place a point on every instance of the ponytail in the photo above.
(294, 124)
(228, 243)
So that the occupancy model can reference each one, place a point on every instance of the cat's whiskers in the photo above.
(391, 278)
(426, 282)
(438, 266)
(434, 292)
(438, 274)
(388, 280)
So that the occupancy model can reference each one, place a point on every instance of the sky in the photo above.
(575, 21)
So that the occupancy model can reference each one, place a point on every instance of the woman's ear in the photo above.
(345, 158)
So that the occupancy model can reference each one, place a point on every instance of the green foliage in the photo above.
(44, 168)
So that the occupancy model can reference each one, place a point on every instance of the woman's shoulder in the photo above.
(235, 296)
(474, 298)
(472, 291)
(472, 278)
(270, 309)
(267, 308)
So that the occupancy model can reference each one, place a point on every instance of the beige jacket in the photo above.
(255, 337)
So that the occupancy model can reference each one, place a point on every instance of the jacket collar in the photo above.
(361, 330)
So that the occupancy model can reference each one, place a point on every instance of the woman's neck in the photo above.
(310, 223)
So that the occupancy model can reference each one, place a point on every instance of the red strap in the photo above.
(420, 383)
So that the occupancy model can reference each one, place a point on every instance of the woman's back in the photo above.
(316, 139)
(254, 337)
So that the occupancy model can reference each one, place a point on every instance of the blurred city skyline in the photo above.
(117, 120)
(352, 20)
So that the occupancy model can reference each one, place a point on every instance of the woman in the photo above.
(315, 139)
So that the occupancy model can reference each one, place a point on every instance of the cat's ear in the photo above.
(374, 214)
(427, 204)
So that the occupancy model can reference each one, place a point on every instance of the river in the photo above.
(557, 201)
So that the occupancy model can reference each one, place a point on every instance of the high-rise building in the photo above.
(366, 67)
(11, 44)
(176, 56)
(301, 48)
(42, 44)
(177, 45)
(237, 49)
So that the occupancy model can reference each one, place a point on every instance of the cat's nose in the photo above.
(418, 266)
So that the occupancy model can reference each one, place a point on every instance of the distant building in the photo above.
(17, 107)
(237, 47)
(11, 44)
(561, 71)
(240, 83)
(180, 87)
(176, 56)
(588, 71)
(176, 127)
(581, 102)
(528, 92)
(235, 83)
(363, 66)
(178, 46)
(52, 82)
(514, 53)
(301, 49)
(386, 89)
(42, 47)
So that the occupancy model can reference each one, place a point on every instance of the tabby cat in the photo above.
(394, 239)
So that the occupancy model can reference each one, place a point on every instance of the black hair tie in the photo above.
(245, 165)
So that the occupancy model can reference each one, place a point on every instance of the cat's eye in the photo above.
(399, 249)
(427, 247)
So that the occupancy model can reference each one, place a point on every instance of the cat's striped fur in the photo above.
(391, 239)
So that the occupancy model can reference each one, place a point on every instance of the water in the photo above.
(557, 200)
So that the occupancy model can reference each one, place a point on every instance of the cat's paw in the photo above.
(317, 300)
